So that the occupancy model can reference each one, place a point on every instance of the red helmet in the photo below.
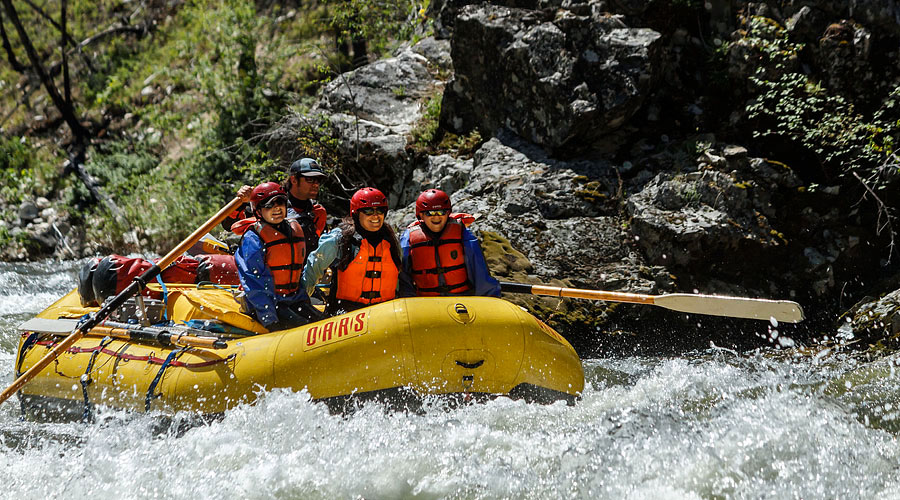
(367, 197)
(263, 192)
(432, 199)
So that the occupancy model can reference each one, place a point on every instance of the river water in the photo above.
(711, 424)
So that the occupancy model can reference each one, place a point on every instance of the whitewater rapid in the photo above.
(713, 424)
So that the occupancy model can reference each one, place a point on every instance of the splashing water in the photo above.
(707, 425)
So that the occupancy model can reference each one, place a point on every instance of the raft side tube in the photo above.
(464, 344)
(361, 351)
(427, 345)
(550, 362)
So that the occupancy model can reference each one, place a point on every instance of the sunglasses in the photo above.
(312, 180)
(435, 213)
(278, 200)
(372, 211)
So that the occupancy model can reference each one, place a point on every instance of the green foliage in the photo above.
(186, 108)
(381, 23)
(14, 167)
(24, 170)
(123, 167)
(793, 108)
(197, 145)
(424, 133)
(787, 106)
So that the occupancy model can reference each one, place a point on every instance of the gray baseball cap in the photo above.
(307, 167)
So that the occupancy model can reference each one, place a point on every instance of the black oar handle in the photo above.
(510, 287)
(166, 337)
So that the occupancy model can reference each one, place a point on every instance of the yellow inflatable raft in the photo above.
(395, 351)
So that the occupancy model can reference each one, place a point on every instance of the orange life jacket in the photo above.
(371, 277)
(285, 254)
(438, 264)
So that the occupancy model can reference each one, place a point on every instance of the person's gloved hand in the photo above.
(287, 318)
(311, 312)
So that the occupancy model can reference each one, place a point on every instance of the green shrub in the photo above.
(424, 132)
(381, 23)
(790, 108)
(26, 170)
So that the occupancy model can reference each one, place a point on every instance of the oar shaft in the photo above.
(134, 287)
(199, 232)
(592, 294)
(555, 291)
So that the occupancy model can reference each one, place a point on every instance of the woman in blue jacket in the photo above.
(440, 255)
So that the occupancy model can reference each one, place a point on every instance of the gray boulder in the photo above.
(543, 207)
(873, 320)
(371, 111)
(28, 212)
(553, 80)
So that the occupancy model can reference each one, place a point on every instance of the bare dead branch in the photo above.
(883, 213)
(109, 32)
(7, 47)
(66, 109)
(68, 39)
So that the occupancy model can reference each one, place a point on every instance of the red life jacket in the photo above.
(438, 264)
(371, 277)
(285, 255)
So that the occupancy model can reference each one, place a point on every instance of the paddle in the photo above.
(132, 289)
(784, 311)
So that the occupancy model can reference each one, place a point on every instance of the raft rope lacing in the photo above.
(151, 359)
(169, 359)
(87, 415)
(165, 296)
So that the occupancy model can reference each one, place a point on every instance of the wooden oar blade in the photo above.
(783, 311)
(43, 325)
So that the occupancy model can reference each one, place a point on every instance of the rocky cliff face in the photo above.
(615, 159)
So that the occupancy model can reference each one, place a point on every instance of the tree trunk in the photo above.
(7, 47)
(79, 132)
(67, 88)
